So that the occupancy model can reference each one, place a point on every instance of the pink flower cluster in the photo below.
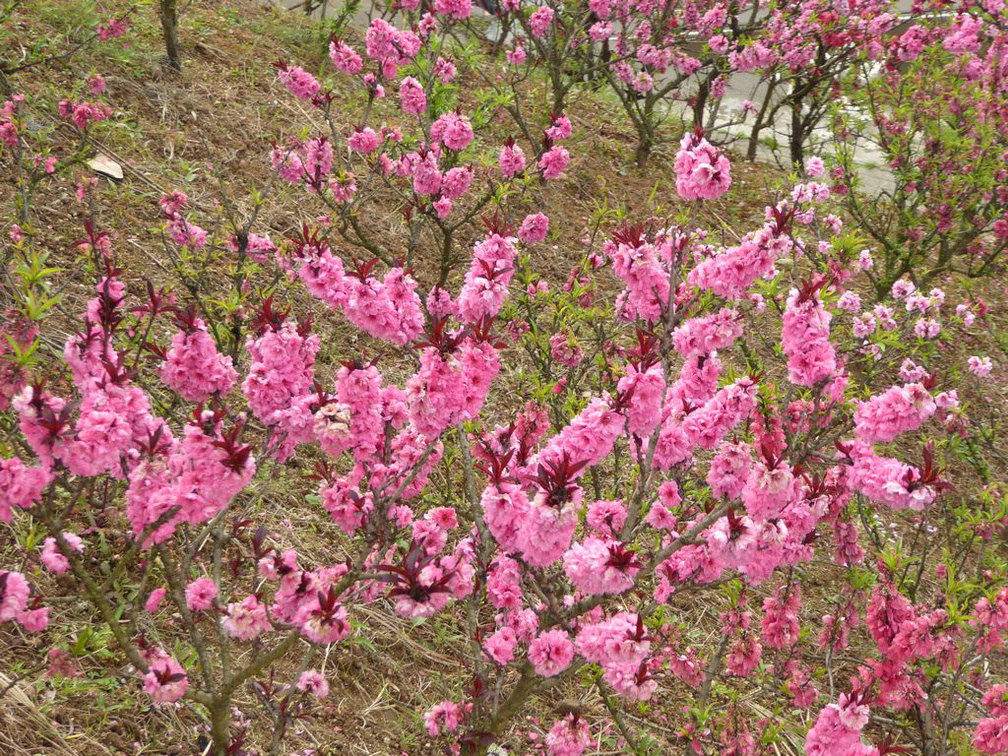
(837, 730)
(452, 130)
(780, 617)
(597, 567)
(701, 171)
(8, 120)
(113, 417)
(620, 645)
(389, 46)
(166, 681)
(388, 308)
(805, 339)
(280, 369)
(182, 231)
(449, 388)
(642, 267)
(299, 82)
(53, 559)
(733, 270)
(486, 282)
(551, 653)
(194, 368)
(14, 595)
(887, 480)
(187, 481)
(898, 410)
(20, 486)
(554, 162)
(84, 113)
(569, 736)
(991, 735)
(511, 159)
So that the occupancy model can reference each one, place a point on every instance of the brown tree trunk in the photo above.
(701, 101)
(797, 136)
(645, 133)
(169, 25)
(758, 127)
(643, 150)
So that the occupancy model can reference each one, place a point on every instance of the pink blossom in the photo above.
(607, 517)
(444, 70)
(541, 20)
(313, 682)
(553, 162)
(446, 714)
(560, 130)
(247, 619)
(800, 687)
(281, 368)
(457, 9)
(780, 617)
(731, 271)
(744, 655)
(486, 282)
(113, 29)
(363, 140)
(194, 368)
(597, 566)
(186, 234)
(534, 228)
(13, 595)
(154, 599)
(200, 594)
(662, 514)
(551, 653)
(506, 510)
(701, 171)
(345, 58)
(165, 681)
(805, 337)
(452, 130)
(888, 481)
(837, 732)
(729, 471)
(703, 335)
(427, 175)
(511, 159)
(84, 114)
(53, 558)
(20, 486)
(646, 389)
(300, 83)
(991, 734)
(884, 416)
(768, 491)
(62, 664)
(412, 96)
(34, 620)
(456, 182)
(500, 646)
(980, 366)
(569, 736)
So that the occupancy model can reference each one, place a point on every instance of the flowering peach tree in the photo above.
(575, 470)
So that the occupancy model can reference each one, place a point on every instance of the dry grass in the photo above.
(25, 729)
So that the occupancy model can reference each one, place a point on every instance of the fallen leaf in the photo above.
(106, 166)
